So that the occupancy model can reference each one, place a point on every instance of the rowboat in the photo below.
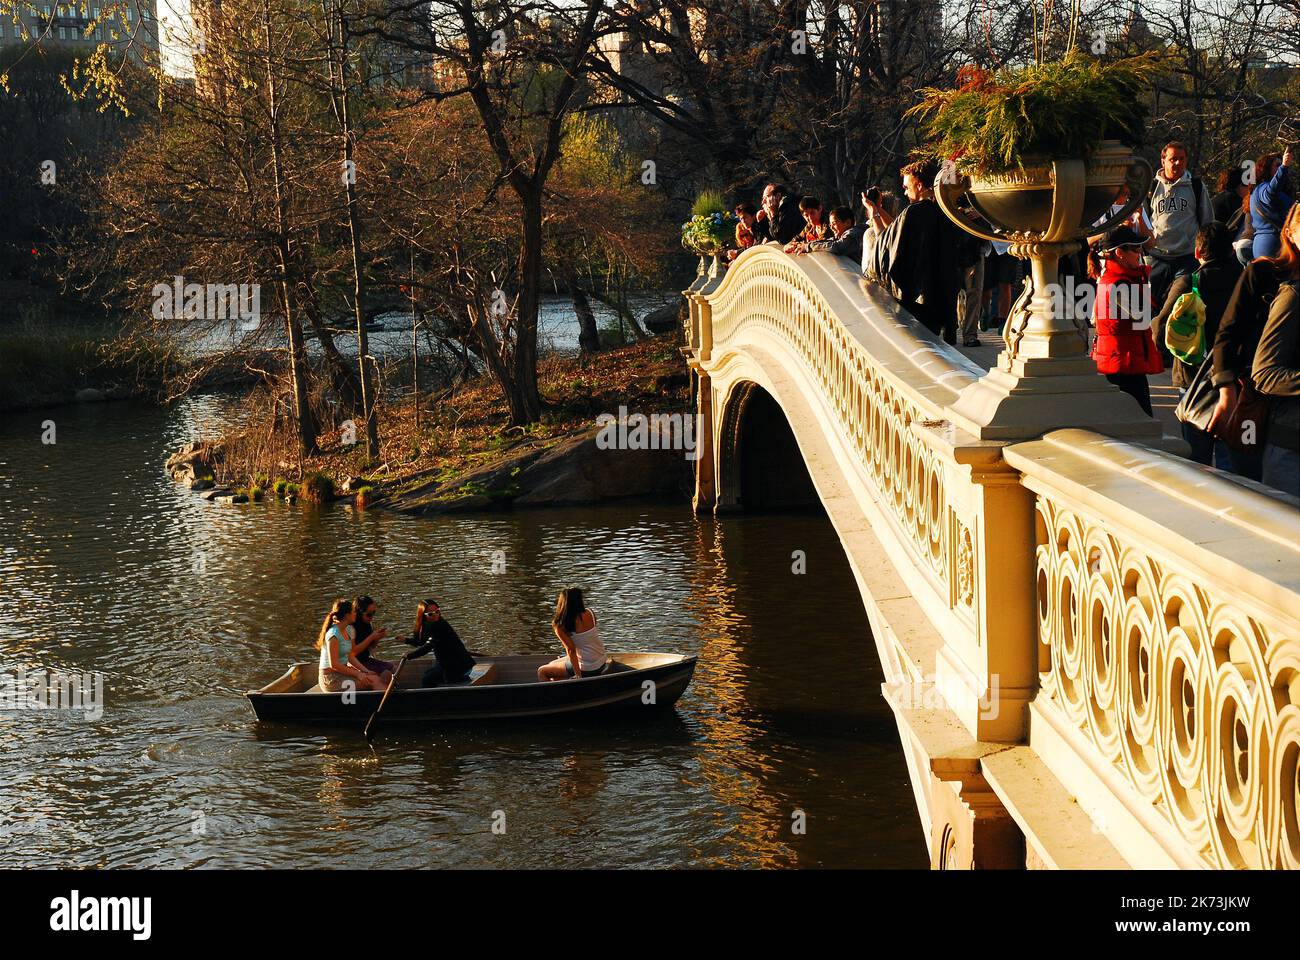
(497, 687)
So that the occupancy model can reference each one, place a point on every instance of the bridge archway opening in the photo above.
(762, 467)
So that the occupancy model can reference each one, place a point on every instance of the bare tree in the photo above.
(521, 69)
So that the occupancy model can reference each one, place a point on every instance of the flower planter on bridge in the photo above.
(1044, 378)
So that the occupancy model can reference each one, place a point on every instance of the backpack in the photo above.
(1185, 330)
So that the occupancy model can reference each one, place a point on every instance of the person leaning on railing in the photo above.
(746, 221)
(815, 225)
(779, 219)
(846, 239)
(918, 256)
(1243, 323)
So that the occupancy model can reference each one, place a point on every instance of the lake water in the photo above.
(105, 565)
(557, 329)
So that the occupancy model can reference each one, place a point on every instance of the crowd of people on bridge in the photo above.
(1233, 254)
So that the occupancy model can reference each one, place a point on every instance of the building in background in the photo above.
(131, 26)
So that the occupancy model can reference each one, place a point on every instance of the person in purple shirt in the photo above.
(1270, 201)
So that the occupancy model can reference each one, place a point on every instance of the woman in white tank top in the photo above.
(576, 628)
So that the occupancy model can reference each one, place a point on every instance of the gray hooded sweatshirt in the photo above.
(1174, 217)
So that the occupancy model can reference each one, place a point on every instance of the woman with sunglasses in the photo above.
(367, 637)
(433, 633)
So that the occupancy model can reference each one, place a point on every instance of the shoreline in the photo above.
(465, 458)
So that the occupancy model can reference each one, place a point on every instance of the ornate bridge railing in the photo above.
(1086, 636)
(1168, 608)
(875, 384)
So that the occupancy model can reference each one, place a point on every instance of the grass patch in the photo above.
(317, 488)
(470, 429)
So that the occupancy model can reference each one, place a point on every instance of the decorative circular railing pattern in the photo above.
(1184, 680)
(1194, 696)
(874, 411)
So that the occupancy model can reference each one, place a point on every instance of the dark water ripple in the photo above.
(182, 605)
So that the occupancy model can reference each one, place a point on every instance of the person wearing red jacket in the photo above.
(1125, 350)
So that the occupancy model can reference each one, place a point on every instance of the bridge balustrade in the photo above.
(1092, 647)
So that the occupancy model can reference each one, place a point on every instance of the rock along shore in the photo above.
(572, 471)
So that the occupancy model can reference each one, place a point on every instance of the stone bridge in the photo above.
(1091, 645)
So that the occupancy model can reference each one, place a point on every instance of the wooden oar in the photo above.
(392, 682)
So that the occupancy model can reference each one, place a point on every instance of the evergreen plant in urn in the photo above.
(1036, 157)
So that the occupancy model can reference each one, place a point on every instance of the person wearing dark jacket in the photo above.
(367, 637)
(779, 219)
(1124, 349)
(1214, 281)
(847, 239)
(1242, 326)
(1227, 201)
(433, 633)
(816, 227)
(917, 255)
(1276, 372)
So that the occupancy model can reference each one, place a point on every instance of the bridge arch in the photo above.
(1023, 746)
(761, 467)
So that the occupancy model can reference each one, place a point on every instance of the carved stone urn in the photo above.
(701, 275)
(1045, 378)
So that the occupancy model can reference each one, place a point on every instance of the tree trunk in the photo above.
(618, 303)
(588, 334)
(526, 403)
(338, 76)
(343, 379)
(297, 347)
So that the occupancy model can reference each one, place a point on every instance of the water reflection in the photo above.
(97, 555)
